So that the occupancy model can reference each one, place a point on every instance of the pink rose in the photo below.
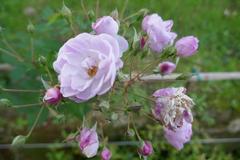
(88, 141)
(52, 96)
(180, 136)
(166, 67)
(106, 154)
(158, 32)
(87, 65)
(187, 46)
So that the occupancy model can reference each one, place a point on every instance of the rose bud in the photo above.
(106, 25)
(146, 149)
(106, 154)
(52, 96)
(142, 42)
(88, 141)
(166, 67)
(180, 136)
(186, 46)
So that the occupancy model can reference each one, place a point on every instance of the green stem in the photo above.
(11, 54)
(26, 105)
(35, 122)
(32, 49)
(20, 90)
(49, 74)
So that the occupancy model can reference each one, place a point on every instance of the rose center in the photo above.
(92, 71)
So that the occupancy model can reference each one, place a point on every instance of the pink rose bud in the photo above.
(180, 136)
(187, 46)
(88, 141)
(106, 154)
(166, 67)
(52, 96)
(106, 25)
(143, 42)
(146, 149)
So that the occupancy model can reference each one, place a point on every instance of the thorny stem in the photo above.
(20, 90)
(35, 122)
(26, 105)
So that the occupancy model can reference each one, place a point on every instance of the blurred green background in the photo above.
(216, 24)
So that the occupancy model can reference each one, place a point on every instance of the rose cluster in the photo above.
(87, 66)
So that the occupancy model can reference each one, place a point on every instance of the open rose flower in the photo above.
(158, 32)
(108, 25)
(87, 65)
(180, 136)
(187, 46)
(173, 107)
(88, 141)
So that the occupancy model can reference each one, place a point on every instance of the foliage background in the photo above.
(215, 22)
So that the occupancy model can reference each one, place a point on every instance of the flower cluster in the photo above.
(87, 66)
(160, 37)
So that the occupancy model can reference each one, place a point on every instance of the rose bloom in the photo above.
(172, 107)
(108, 25)
(180, 136)
(106, 154)
(187, 46)
(166, 67)
(158, 32)
(87, 65)
(52, 96)
(88, 141)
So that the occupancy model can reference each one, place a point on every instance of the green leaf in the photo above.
(5, 102)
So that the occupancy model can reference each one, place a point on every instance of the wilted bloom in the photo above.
(172, 107)
(187, 46)
(158, 32)
(52, 96)
(106, 154)
(108, 25)
(87, 65)
(166, 67)
(88, 141)
(146, 149)
(180, 136)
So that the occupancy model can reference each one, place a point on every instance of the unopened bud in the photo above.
(42, 60)
(30, 27)
(114, 14)
(53, 96)
(65, 11)
(91, 15)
